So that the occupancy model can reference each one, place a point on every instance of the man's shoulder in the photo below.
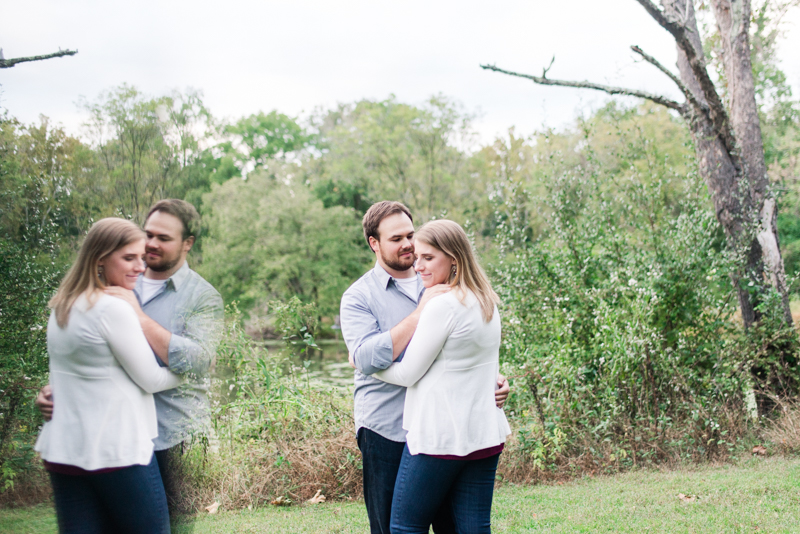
(362, 286)
(201, 285)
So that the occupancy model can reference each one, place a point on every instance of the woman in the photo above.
(98, 445)
(455, 431)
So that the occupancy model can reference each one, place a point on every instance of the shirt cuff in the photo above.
(178, 355)
(382, 351)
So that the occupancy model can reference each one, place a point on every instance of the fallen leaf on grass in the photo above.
(317, 498)
(281, 501)
(687, 498)
(212, 508)
(760, 450)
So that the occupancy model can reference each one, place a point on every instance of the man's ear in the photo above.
(374, 244)
(188, 243)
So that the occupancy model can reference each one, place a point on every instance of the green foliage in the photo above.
(297, 323)
(617, 319)
(374, 151)
(269, 238)
(29, 277)
(265, 137)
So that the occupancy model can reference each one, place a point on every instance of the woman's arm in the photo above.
(121, 329)
(435, 325)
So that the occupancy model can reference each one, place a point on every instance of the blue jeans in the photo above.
(381, 458)
(425, 484)
(130, 501)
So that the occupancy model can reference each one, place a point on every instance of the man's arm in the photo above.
(195, 350)
(370, 349)
(157, 336)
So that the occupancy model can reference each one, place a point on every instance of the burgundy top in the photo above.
(64, 469)
(475, 455)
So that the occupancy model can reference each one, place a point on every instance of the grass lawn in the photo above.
(758, 495)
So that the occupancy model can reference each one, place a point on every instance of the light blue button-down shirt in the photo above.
(370, 308)
(191, 309)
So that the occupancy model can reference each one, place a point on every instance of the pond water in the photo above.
(328, 365)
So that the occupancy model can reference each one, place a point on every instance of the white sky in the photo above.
(296, 55)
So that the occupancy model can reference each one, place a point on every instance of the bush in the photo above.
(618, 322)
(276, 432)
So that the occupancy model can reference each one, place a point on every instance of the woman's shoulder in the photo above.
(112, 307)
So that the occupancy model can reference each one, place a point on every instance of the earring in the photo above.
(100, 271)
(453, 270)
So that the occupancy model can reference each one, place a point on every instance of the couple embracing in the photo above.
(423, 333)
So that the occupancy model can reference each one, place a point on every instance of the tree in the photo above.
(374, 151)
(269, 238)
(728, 141)
(146, 144)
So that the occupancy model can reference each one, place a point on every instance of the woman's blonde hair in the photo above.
(105, 237)
(450, 238)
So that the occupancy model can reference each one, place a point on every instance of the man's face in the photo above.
(164, 246)
(396, 244)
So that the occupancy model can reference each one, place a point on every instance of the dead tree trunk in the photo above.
(729, 147)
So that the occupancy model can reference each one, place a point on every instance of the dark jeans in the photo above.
(381, 458)
(126, 501)
(425, 484)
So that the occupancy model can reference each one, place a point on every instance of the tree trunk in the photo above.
(734, 167)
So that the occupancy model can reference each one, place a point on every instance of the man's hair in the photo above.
(185, 212)
(378, 212)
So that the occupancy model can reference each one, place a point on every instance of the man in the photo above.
(379, 314)
(182, 318)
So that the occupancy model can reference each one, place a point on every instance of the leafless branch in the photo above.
(716, 109)
(690, 97)
(8, 63)
(589, 85)
(545, 69)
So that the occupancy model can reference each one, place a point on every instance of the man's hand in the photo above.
(44, 401)
(351, 359)
(502, 391)
(127, 295)
(434, 291)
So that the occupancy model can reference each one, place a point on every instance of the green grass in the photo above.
(759, 495)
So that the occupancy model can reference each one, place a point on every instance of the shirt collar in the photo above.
(384, 277)
(176, 279)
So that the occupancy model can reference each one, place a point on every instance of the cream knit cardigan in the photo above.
(450, 368)
(103, 373)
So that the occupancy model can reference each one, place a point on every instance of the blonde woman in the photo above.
(98, 446)
(455, 430)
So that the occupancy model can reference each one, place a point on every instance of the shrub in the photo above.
(618, 330)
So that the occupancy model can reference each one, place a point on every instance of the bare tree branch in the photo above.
(589, 85)
(716, 109)
(690, 97)
(8, 63)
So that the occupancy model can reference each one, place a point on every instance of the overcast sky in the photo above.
(296, 55)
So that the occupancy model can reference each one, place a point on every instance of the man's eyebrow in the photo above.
(395, 236)
(155, 234)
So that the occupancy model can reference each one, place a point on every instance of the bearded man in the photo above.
(182, 318)
(379, 314)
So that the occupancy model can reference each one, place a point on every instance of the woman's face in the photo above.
(123, 266)
(433, 265)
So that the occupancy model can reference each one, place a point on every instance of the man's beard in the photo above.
(397, 263)
(164, 265)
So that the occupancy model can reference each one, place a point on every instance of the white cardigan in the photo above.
(103, 373)
(450, 369)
